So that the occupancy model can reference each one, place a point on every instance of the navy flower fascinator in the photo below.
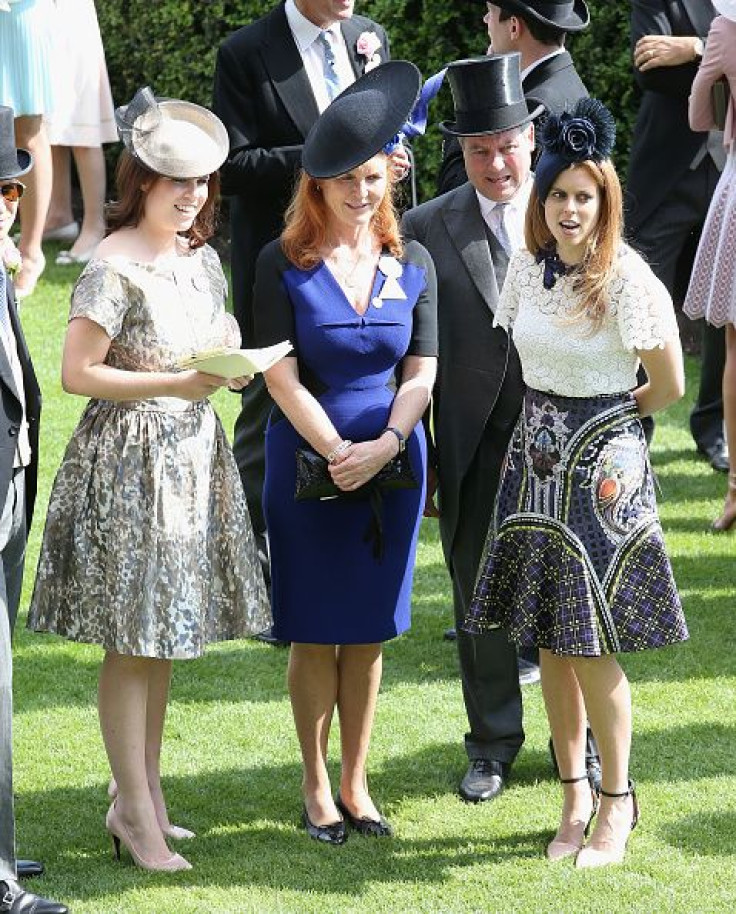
(587, 133)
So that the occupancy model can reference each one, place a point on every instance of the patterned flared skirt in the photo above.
(575, 560)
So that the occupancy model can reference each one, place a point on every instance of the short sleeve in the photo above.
(100, 295)
(423, 340)
(508, 302)
(646, 316)
(273, 314)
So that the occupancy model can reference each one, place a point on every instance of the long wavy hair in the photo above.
(597, 269)
(127, 210)
(307, 221)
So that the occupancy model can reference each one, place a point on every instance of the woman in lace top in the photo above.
(148, 549)
(575, 562)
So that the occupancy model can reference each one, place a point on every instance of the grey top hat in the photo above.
(563, 15)
(361, 120)
(13, 162)
(174, 138)
(488, 96)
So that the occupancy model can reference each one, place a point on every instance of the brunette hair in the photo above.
(127, 210)
(306, 221)
(598, 266)
(544, 34)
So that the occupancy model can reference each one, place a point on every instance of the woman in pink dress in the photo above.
(712, 292)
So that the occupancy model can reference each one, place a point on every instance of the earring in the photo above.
(319, 188)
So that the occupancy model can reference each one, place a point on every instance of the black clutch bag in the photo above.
(313, 478)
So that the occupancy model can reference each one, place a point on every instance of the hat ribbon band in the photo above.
(416, 123)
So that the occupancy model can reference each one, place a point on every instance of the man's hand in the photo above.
(399, 164)
(654, 51)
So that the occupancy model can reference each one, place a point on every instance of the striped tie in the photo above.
(329, 66)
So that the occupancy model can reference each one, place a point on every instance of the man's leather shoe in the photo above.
(716, 454)
(450, 634)
(267, 637)
(26, 869)
(15, 900)
(528, 672)
(484, 780)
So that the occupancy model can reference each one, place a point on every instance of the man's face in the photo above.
(499, 164)
(498, 32)
(8, 206)
(325, 13)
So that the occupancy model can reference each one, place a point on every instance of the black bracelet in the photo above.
(399, 437)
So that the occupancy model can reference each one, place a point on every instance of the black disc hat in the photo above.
(13, 162)
(563, 15)
(488, 96)
(361, 120)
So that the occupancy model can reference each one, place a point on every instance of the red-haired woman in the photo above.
(360, 309)
(148, 549)
(576, 563)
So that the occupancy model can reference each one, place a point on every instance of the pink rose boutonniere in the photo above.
(11, 258)
(367, 46)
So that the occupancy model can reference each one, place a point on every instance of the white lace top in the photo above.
(565, 358)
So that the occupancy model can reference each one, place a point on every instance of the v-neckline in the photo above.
(345, 298)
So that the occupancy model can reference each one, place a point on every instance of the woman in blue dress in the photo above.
(360, 309)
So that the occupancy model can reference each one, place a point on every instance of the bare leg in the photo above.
(60, 206)
(313, 692)
(568, 725)
(90, 164)
(728, 517)
(607, 698)
(123, 707)
(360, 667)
(30, 134)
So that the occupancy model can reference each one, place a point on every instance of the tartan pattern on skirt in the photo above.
(575, 560)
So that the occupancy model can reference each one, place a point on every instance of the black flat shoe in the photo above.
(334, 833)
(26, 869)
(371, 828)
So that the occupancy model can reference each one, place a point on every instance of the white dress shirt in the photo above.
(514, 216)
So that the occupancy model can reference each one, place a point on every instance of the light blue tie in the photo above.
(500, 229)
(329, 66)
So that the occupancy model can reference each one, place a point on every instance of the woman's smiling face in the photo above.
(572, 210)
(353, 198)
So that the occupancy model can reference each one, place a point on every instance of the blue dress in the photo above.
(327, 585)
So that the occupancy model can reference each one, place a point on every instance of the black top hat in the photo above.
(563, 15)
(361, 120)
(13, 162)
(487, 95)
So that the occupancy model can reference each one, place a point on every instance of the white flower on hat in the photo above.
(367, 46)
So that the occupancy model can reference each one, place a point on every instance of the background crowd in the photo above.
(274, 85)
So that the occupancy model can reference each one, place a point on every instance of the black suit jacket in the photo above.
(663, 145)
(11, 412)
(477, 361)
(555, 83)
(263, 96)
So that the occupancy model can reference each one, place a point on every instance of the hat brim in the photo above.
(330, 150)
(504, 119)
(25, 164)
(577, 20)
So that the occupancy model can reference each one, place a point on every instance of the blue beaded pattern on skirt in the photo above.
(575, 558)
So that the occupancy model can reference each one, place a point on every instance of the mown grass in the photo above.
(231, 757)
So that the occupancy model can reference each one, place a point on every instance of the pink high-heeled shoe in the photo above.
(557, 849)
(120, 834)
(175, 832)
(612, 847)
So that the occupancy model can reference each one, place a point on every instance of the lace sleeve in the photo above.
(646, 317)
(508, 302)
(99, 295)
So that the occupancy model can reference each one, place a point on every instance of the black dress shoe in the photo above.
(716, 454)
(28, 868)
(592, 761)
(267, 637)
(528, 672)
(484, 780)
(334, 833)
(372, 828)
(15, 900)
(450, 634)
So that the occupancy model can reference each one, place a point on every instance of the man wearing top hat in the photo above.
(537, 30)
(272, 80)
(470, 233)
(20, 406)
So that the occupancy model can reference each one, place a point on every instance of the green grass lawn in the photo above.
(232, 764)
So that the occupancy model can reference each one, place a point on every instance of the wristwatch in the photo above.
(399, 437)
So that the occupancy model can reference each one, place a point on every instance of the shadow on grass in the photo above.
(711, 833)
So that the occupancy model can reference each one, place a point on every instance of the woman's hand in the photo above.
(654, 51)
(196, 385)
(239, 383)
(360, 462)
(399, 163)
